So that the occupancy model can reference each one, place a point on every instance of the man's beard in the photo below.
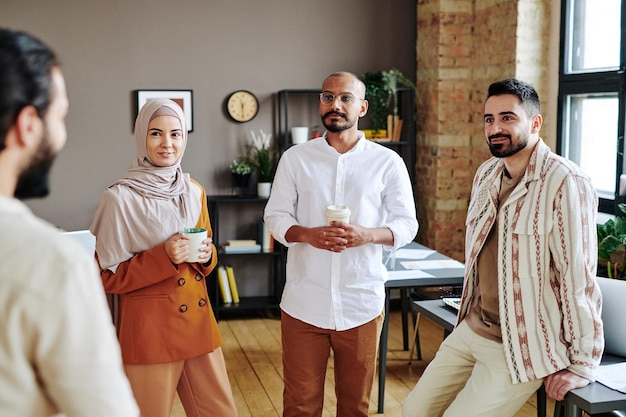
(503, 150)
(335, 128)
(33, 181)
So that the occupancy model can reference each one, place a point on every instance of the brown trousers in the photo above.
(201, 382)
(306, 350)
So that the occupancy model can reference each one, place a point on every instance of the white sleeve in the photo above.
(77, 352)
(399, 204)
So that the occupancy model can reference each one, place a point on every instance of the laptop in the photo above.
(613, 315)
(85, 238)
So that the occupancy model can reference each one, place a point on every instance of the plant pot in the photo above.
(299, 135)
(241, 180)
(263, 189)
(240, 183)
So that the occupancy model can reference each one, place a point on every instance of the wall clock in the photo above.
(242, 106)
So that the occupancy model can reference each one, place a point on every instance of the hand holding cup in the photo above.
(199, 250)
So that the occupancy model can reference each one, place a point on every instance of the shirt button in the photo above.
(181, 281)
(182, 308)
(202, 302)
(199, 277)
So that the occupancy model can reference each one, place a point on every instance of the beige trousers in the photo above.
(201, 382)
(469, 377)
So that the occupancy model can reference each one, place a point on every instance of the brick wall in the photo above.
(462, 47)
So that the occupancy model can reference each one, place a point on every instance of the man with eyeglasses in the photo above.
(334, 294)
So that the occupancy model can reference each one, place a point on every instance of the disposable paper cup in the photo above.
(299, 134)
(337, 213)
(196, 236)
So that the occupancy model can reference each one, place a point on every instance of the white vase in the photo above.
(299, 134)
(263, 189)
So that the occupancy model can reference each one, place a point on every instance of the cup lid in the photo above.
(338, 209)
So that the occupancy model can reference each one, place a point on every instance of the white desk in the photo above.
(441, 277)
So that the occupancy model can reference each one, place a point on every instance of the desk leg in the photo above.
(382, 357)
(404, 298)
(541, 401)
(572, 410)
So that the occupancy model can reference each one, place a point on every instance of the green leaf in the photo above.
(620, 225)
(381, 89)
(611, 243)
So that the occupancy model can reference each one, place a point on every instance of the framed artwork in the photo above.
(184, 98)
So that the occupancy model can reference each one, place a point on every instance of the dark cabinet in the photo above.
(260, 276)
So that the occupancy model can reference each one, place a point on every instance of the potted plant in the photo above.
(611, 249)
(263, 160)
(381, 91)
(241, 171)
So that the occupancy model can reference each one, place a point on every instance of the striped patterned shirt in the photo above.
(549, 302)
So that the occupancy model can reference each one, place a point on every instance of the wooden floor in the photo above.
(253, 357)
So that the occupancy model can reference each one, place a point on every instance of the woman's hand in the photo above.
(177, 249)
(206, 251)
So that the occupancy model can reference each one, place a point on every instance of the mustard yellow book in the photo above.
(233, 284)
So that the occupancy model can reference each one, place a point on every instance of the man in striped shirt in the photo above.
(530, 310)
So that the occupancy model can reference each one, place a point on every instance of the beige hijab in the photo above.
(148, 204)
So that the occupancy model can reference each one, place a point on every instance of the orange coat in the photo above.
(164, 310)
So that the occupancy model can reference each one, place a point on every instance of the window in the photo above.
(592, 99)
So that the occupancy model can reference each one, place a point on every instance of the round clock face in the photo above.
(242, 106)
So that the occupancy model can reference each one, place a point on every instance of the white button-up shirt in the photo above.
(339, 290)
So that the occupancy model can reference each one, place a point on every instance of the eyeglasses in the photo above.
(344, 98)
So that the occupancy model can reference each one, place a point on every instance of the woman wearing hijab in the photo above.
(167, 331)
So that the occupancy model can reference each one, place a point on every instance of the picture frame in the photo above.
(184, 98)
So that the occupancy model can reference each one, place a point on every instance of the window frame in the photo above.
(592, 82)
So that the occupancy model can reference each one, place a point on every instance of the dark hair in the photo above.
(525, 93)
(25, 77)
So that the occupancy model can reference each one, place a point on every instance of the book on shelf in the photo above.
(379, 135)
(256, 248)
(394, 129)
(222, 280)
(397, 129)
(230, 272)
(241, 242)
(266, 238)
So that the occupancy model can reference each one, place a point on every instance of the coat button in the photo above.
(181, 281)
(182, 308)
(202, 302)
(199, 277)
